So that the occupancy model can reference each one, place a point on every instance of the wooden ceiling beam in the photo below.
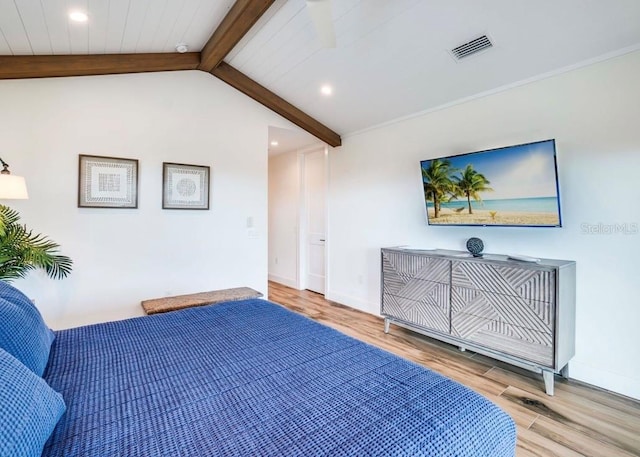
(240, 18)
(238, 21)
(15, 67)
(262, 95)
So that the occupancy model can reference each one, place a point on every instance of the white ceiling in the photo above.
(37, 27)
(391, 58)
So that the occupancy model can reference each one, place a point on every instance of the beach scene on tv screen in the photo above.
(516, 185)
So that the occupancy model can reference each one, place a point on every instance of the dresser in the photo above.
(522, 313)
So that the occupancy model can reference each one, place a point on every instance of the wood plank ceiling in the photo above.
(235, 25)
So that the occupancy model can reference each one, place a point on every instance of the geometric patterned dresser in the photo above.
(522, 313)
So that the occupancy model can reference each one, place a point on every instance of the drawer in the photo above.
(398, 269)
(418, 290)
(529, 283)
(530, 314)
(425, 313)
(506, 338)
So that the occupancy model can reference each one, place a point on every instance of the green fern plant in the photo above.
(22, 251)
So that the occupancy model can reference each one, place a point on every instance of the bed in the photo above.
(251, 378)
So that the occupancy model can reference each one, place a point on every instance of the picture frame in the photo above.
(107, 182)
(185, 186)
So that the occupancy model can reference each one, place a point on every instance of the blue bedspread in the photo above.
(250, 378)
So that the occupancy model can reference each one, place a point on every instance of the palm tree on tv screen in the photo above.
(470, 183)
(437, 182)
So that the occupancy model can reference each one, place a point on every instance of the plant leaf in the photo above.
(22, 251)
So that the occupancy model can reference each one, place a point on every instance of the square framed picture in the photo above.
(185, 186)
(107, 182)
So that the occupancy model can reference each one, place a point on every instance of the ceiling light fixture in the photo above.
(326, 90)
(274, 143)
(182, 48)
(78, 16)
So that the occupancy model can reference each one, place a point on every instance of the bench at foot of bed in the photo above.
(165, 304)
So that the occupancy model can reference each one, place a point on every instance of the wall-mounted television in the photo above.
(510, 186)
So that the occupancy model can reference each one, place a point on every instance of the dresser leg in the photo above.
(386, 325)
(565, 371)
(548, 381)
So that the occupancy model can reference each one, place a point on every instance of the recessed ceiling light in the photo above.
(274, 143)
(326, 90)
(78, 16)
(182, 48)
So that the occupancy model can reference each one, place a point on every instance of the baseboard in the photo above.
(613, 382)
(352, 302)
(284, 281)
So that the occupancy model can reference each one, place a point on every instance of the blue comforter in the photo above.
(250, 378)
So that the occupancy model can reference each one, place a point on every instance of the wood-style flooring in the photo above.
(580, 420)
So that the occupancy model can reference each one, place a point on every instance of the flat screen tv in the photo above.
(510, 186)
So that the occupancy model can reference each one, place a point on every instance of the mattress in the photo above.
(251, 378)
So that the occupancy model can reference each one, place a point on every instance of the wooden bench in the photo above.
(165, 304)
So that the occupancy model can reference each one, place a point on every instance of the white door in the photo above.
(315, 190)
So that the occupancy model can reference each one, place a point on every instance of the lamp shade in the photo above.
(13, 187)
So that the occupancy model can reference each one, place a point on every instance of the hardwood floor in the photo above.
(579, 420)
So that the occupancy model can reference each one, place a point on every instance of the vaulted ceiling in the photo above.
(392, 57)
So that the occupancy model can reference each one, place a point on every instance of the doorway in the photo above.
(313, 216)
(297, 208)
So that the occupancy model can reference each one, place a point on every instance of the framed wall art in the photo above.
(107, 182)
(185, 186)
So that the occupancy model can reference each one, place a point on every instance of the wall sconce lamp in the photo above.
(12, 187)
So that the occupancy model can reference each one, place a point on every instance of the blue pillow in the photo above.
(29, 409)
(23, 333)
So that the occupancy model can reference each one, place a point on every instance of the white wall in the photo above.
(284, 206)
(122, 256)
(376, 200)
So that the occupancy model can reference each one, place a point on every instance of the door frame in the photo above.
(302, 238)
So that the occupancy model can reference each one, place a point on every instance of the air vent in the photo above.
(472, 47)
